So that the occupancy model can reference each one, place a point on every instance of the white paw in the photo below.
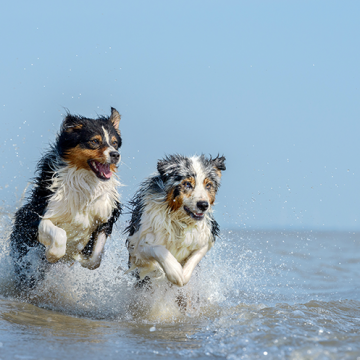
(187, 276)
(57, 248)
(174, 272)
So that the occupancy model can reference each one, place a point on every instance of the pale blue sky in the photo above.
(272, 85)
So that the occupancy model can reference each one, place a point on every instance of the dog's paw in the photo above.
(90, 264)
(187, 272)
(187, 276)
(174, 272)
(57, 248)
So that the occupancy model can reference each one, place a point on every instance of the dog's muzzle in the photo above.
(114, 157)
(202, 205)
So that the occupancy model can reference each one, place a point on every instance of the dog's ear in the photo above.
(166, 167)
(161, 167)
(72, 123)
(115, 119)
(219, 163)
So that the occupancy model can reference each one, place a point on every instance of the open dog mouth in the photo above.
(102, 171)
(196, 216)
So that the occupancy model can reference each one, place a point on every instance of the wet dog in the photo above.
(74, 201)
(172, 225)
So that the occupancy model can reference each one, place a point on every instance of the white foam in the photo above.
(107, 293)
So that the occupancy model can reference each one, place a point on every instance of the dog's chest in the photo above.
(79, 211)
(181, 245)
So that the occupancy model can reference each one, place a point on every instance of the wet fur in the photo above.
(70, 211)
(164, 239)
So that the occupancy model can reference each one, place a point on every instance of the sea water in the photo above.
(256, 295)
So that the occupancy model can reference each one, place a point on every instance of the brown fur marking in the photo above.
(176, 203)
(96, 137)
(113, 139)
(79, 157)
(70, 129)
(188, 192)
(211, 191)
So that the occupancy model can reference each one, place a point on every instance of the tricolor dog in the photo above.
(74, 201)
(172, 225)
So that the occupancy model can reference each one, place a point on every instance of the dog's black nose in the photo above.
(114, 156)
(202, 205)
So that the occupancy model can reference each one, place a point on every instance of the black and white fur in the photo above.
(172, 225)
(71, 209)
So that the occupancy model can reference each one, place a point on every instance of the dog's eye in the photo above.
(188, 185)
(95, 142)
(208, 186)
(114, 143)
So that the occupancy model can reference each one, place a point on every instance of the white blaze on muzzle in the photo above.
(110, 148)
(199, 193)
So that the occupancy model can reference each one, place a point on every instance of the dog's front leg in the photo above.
(167, 261)
(192, 262)
(54, 239)
(94, 261)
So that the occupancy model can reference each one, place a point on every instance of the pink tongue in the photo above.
(104, 169)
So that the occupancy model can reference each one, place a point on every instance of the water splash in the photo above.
(225, 276)
(255, 295)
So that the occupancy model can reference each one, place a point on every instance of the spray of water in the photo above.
(222, 279)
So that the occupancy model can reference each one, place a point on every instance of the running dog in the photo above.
(172, 225)
(74, 202)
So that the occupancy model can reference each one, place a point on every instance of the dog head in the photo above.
(191, 183)
(91, 144)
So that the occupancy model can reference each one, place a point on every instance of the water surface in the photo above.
(257, 295)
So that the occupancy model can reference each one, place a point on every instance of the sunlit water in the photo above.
(257, 295)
